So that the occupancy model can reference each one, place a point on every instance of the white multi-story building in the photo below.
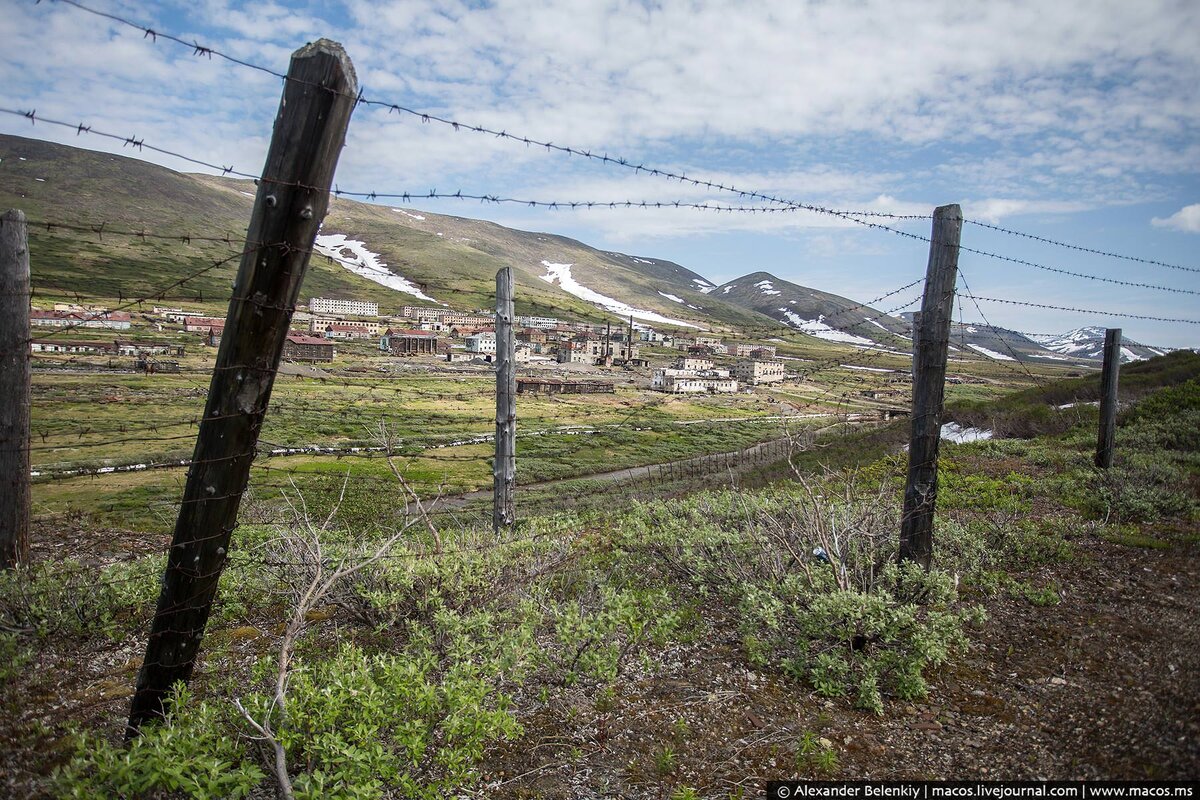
(691, 381)
(118, 320)
(545, 323)
(332, 305)
(756, 372)
(748, 350)
(657, 337)
(344, 328)
(482, 343)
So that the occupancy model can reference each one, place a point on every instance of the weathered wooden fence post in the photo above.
(504, 467)
(293, 196)
(929, 387)
(1108, 398)
(916, 345)
(14, 390)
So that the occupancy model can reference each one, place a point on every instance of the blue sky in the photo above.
(1075, 121)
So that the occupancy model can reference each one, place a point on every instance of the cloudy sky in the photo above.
(1077, 121)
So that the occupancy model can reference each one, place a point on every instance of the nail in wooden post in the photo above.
(920, 492)
(14, 390)
(504, 467)
(1108, 398)
(293, 196)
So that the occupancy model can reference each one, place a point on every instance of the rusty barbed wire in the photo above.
(1080, 248)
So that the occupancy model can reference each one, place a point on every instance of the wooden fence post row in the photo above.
(1108, 398)
(14, 390)
(504, 466)
(293, 196)
(929, 386)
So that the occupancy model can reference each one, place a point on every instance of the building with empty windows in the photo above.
(331, 305)
(755, 372)
(692, 381)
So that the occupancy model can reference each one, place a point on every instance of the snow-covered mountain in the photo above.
(820, 314)
(1088, 343)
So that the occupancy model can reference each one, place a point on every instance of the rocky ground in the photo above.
(1103, 684)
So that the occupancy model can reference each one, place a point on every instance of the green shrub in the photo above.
(1139, 488)
(845, 642)
(68, 598)
(595, 634)
(190, 753)
(357, 723)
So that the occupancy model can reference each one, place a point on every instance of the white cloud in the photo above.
(1186, 219)
(995, 209)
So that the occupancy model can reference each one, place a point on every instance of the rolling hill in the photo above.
(821, 314)
(403, 256)
(395, 256)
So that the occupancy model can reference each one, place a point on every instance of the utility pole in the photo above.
(15, 339)
(629, 343)
(1108, 398)
(293, 196)
(929, 387)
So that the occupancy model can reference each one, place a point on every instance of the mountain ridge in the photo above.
(395, 255)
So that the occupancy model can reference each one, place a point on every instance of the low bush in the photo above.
(190, 753)
(359, 724)
(1139, 488)
(849, 643)
(810, 575)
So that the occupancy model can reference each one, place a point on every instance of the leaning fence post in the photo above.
(1108, 398)
(293, 196)
(14, 390)
(504, 467)
(916, 345)
(929, 387)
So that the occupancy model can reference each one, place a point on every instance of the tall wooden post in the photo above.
(1108, 398)
(920, 492)
(916, 345)
(293, 196)
(504, 466)
(14, 390)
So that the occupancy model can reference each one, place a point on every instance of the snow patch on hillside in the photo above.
(1129, 355)
(703, 286)
(354, 256)
(818, 328)
(417, 217)
(1087, 342)
(671, 297)
(990, 353)
(767, 288)
(561, 273)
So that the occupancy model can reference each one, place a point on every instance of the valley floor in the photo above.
(665, 640)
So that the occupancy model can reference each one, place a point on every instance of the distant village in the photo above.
(441, 333)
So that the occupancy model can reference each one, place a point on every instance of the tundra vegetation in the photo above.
(434, 651)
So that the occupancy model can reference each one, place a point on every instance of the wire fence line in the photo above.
(639, 413)
(201, 50)
(266, 460)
